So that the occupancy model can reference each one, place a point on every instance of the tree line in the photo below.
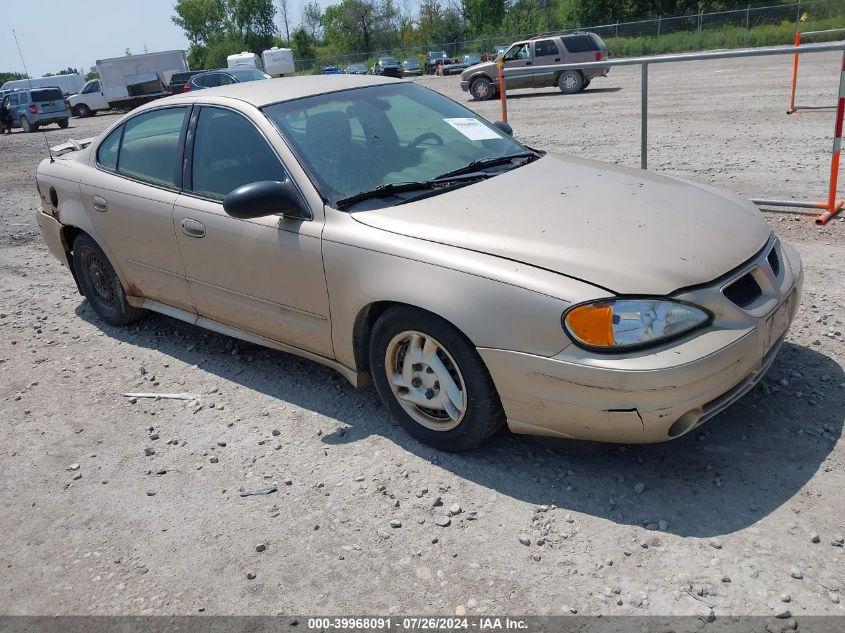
(218, 28)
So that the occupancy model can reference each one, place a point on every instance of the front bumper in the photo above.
(656, 394)
(464, 85)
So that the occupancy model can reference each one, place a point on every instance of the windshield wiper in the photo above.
(484, 163)
(383, 191)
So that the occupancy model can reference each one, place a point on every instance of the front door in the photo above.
(130, 196)
(518, 62)
(262, 275)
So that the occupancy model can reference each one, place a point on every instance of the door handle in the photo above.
(192, 228)
(527, 63)
(557, 59)
(100, 204)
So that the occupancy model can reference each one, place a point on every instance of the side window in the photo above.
(150, 146)
(210, 81)
(579, 43)
(225, 80)
(545, 48)
(107, 151)
(230, 152)
(518, 51)
(13, 100)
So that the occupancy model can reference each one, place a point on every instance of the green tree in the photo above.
(11, 76)
(302, 44)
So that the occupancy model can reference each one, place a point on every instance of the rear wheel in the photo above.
(482, 89)
(63, 123)
(27, 126)
(433, 381)
(83, 111)
(570, 82)
(101, 285)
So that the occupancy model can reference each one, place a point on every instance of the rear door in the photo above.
(129, 197)
(48, 101)
(546, 53)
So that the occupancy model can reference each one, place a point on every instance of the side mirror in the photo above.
(266, 197)
(504, 127)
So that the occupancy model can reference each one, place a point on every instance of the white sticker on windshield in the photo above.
(473, 129)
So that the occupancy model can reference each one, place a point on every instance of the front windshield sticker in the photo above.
(473, 129)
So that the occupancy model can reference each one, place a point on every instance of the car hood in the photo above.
(626, 230)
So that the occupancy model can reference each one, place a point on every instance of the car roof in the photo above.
(262, 93)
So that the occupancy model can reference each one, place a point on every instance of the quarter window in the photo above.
(579, 43)
(107, 152)
(545, 48)
(230, 152)
(150, 146)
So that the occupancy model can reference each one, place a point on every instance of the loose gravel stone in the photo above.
(726, 578)
(250, 575)
(395, 523)
(524, 539)
(260, 547)
(815, 538)
(442, 520)
(73, 467)
(149, 452)
(213, 460)
(796, 573)
(785, 597)
(715, 543)
(639, 487)
(454, 509)
(782, 613)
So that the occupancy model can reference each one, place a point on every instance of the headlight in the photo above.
(617, 324)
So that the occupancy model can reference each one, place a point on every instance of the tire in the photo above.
(27, 126)
(83, 111)
(570, 82)
(586, 83)
(461, 417)
(101, 285)
(63, 123)
(482, 89)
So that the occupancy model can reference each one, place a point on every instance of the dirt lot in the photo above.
(725, 517)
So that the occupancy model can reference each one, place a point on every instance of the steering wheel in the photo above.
(422, 137)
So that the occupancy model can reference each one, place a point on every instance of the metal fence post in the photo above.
(748, 17)
(617, 28)
(659, 19)
(644, 119)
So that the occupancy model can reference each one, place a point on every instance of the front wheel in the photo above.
(570, 82)
(433, 381)
(83, 111)
(101, 285)
(63, 123)
(482, 89)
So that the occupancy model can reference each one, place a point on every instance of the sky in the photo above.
(55, 34)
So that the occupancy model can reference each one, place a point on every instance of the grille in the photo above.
(774, 262)
(743, 291)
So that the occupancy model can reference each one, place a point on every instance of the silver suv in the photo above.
(522, 58)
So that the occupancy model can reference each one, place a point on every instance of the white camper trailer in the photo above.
(278, 62)
(244, 60)
(68, 84)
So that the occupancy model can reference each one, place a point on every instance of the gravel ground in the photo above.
(119, 507)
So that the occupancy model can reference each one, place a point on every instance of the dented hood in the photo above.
(626, 230)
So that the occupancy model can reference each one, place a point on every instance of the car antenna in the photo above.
(29, 81)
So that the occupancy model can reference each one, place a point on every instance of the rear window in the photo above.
(181, 77)
(579, 43)
(47, 94)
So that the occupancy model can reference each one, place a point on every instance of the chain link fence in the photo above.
(693, 31)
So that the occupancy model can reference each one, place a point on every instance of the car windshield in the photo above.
(410, 62)
(248, 74)
(357, 140)
(472, 59)
(385, 61)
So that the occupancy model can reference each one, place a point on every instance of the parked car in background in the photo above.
(433, 58)
(530, 64)
(331, 70)
(224, 77)
(31, 109)
(179, 80)
(409, 255)
(356, 69)
(456, 68)
(388, 67)
(411, 68)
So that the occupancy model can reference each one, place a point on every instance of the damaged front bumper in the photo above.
(657, 394)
